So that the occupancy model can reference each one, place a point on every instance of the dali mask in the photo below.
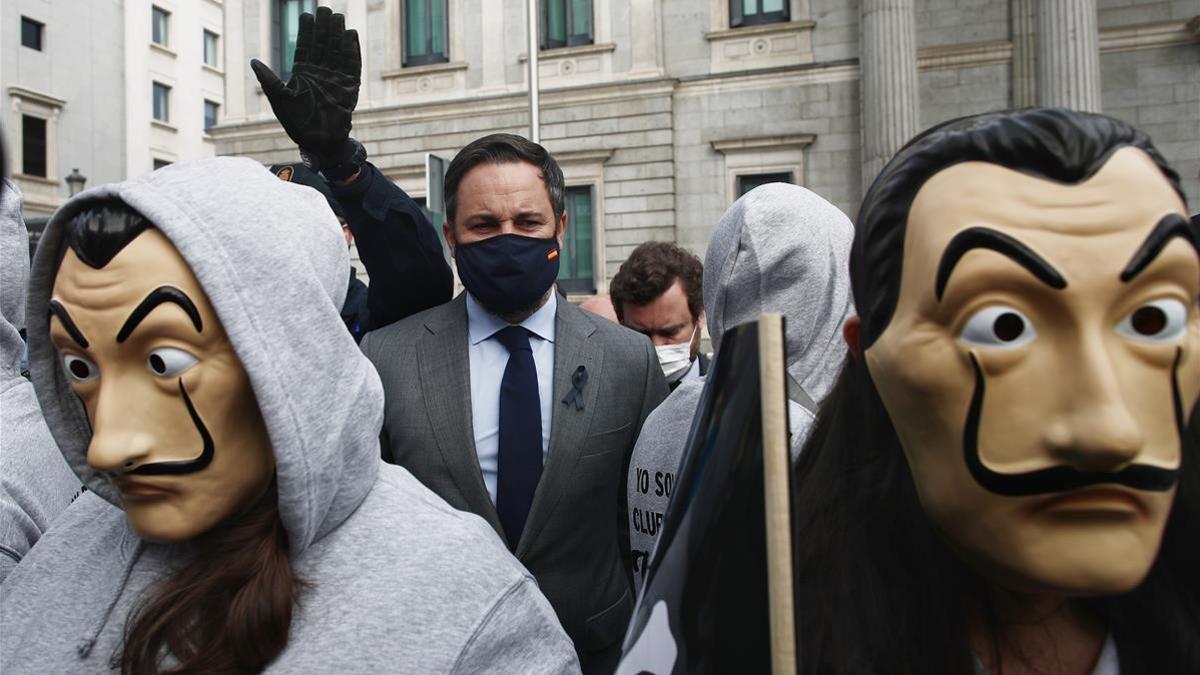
(175, 424)
(1040, 365)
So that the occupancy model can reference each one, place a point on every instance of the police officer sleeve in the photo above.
(398, 246)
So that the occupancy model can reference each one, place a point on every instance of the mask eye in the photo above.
(168, 361)
(1002, 327)
(80, 369)
(1158, 321)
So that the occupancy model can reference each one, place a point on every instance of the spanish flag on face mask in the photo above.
(552, 254)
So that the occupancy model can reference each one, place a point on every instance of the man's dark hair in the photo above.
(650, 270)
(99, 232)
(504, 149)
(1056, 144)
(881, 589)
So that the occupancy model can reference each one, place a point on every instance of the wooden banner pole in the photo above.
(776, 488)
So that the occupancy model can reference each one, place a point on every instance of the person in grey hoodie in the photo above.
(35, 483)
(197, 377)
(779, 248)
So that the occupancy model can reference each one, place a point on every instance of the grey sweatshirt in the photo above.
(780, 248)
(400, 582)
(35, 483)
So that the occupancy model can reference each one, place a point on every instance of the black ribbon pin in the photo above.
(578, 380)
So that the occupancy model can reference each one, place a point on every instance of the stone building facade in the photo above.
(662, 111)
(112, 89)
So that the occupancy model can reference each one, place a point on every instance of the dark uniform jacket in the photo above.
(398, 246)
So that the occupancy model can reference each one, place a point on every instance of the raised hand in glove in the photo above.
(315, 105)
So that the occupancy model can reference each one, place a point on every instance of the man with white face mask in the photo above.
(658, 292)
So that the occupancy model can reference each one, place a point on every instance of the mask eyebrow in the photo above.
(155, 298)
(985, 237)
(1170, 226)
(68, 324)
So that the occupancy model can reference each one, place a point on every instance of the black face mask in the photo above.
(508, 272)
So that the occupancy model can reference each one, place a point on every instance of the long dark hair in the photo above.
(229, 609)
(878, 589)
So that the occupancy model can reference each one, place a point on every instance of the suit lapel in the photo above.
(569, 425)
(446, 385)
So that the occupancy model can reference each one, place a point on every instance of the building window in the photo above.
(425, 29)
(162, 102)
(285, 20)
(210, 48)
(31, 33)
(757, 12)
(748, 182)
(566, 23)
(160, 163)
(575, 264)
(33, 146)
(211, 109)
(159, 26)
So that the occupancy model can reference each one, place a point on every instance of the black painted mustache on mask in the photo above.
(1062, 478)
(186, 466)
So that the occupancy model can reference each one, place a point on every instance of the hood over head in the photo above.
(782, 248)
(271, 257)
(14, 275)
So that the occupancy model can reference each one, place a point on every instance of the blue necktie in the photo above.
(520, 461)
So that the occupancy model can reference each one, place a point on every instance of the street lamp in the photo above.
(75, 182)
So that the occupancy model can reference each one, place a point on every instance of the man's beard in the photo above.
(517, 316)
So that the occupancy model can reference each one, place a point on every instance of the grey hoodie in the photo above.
(400, 582)
(35, 483)
(780, 248)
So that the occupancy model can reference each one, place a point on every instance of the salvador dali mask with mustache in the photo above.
(1040, 366)
(175, 424)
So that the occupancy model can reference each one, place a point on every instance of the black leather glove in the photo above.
(316, 104)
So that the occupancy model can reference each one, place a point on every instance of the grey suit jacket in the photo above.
(575, 536)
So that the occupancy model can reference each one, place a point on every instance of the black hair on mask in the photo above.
(102, 229)
(1056, 144)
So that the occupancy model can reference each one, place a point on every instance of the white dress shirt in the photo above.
(488, 359)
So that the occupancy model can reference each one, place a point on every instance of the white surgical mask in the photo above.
(677, 358)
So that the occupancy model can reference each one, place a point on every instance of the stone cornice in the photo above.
(419, 71)
(763, 143)
(764, 29)
(1150, 35)
(36, 96)
(792, 76)
(964, 55)
(1114, 39)
(569, 52)
(583, 156)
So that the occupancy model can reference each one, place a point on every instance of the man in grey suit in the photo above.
(513, 404)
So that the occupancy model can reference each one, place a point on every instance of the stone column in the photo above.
(1024, 53)
(1068, 54)
(888, 87)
